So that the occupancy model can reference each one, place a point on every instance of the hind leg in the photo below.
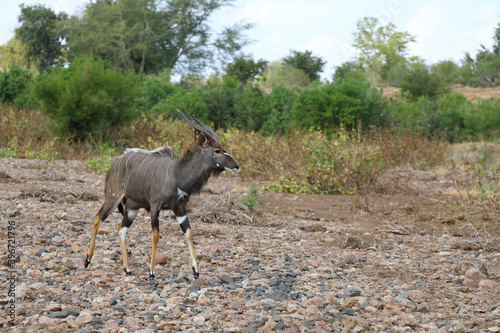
(128, 219)
(103, 214)
(155, 226)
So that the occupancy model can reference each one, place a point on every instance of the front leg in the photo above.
(184, 224)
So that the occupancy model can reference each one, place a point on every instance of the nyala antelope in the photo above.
(156, 180)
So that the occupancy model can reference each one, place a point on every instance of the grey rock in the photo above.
(226, 278)
(60, 314)
(278, 326)
(353, 292)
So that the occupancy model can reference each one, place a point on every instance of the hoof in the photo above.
(127, 272)
(151, 277)
(87, 261)
(196, 274)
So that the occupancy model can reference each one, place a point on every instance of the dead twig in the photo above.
(397, 229)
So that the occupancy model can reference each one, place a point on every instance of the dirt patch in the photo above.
(58, 196)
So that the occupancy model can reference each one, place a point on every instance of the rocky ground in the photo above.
(400, 261)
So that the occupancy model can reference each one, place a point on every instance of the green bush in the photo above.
(483, 121)
(343, 101)
(448, 118)
(14, 84)
(447, 71)
(230, 102)
(87, 98)
(153, 90)
(419, 81)
(278, 110)
(184, 101)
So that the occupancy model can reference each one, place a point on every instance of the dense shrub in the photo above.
(180, 99)
(13, 86)
(230, 102)
(483, 120)
(343, 101)
(153, 90)
(87, 98)
(278, 110)
(419, 81)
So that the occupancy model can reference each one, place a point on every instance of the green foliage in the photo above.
(100, 158)
(451, 117)
(341, 102)
(311, 65)
(482, 121)
(88, 98)
(11, 150)
(229, 101)
(484, 70)
(277, 107)
(148, 36)
(379, 45)
(41, 36)
(279, 74)
(419, 81)
(14, 86)
(180, 99)
(153, 90)
(13, 53)
(245, 69)
(447, 71)
(350, 69)
(252, 199)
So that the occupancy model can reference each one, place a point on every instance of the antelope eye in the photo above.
(217, 151)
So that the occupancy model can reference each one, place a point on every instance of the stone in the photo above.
(160, 258)
(60, 314)
(488, 284)
(278, 326)
(84, 318)
(422, 309)
(353, 292)
(44, 320)
(316, 300)
(226, 278)
(355, 321)
(199, 320)
(73, 311)
(199, 282)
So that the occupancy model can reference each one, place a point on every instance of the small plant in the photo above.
(101, 159)
(252, 198)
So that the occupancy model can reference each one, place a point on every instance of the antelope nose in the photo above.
(236, 167)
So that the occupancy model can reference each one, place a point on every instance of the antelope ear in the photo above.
(201, 140)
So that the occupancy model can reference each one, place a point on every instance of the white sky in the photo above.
(444, 29)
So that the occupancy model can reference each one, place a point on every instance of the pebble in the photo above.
(60, 314)
(226, 278)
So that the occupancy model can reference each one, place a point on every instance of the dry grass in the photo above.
(302, 162)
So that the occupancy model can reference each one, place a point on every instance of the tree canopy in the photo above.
(379, 46)
(245, 68)
(148, 36)
(41, 36)
(311, 65)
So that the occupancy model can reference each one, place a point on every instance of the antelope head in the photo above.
(209, 143)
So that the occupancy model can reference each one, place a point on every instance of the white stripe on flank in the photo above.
(123, 233)
(180, 219)
(140, 166)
